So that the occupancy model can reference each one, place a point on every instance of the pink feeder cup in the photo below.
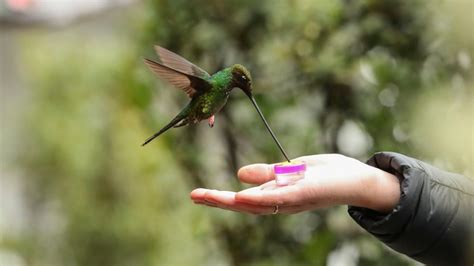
(288, 173)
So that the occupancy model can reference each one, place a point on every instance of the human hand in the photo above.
(330, 179)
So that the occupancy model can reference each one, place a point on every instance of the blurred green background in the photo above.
(350, 77)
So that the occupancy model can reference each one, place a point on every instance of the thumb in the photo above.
(256, 173)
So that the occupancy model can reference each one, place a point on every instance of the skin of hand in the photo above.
(330, 179)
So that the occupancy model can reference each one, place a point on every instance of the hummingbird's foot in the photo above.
(211, 121)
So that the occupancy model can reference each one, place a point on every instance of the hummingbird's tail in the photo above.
(173, 122)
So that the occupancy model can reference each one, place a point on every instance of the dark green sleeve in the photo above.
(433, 222)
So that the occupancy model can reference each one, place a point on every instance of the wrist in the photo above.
(383, 193)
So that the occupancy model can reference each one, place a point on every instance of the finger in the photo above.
(220, 206)
(205, 203)
(204, 196)
(226, 200)
(251, 209)
(242, 207)
(270, 195)
(223, 197)
(256, 173)
(198, 194)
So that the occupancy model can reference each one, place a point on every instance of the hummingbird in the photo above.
(208, 93)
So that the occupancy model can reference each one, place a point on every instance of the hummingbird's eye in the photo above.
(244, 77)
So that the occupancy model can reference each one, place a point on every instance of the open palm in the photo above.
(330, 179)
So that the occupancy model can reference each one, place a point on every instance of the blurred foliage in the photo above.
(351, 77)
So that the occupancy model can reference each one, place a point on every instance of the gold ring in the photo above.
(275, 209)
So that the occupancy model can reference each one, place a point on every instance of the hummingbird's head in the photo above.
(241, 78)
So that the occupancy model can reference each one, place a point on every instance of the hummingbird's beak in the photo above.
(252, 99)
(248, 93)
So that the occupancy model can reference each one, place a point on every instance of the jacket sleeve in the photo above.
(433, 221)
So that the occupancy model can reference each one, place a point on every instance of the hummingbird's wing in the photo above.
(190, 84)
(177, 62)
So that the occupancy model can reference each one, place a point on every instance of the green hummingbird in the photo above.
(208, 93)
